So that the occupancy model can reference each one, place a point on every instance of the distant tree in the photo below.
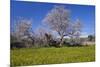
(49, 38)
(58, 20)
(91, 37)
(23, 30)
(40, 37)
(75, 31)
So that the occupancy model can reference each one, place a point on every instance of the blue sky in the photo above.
(38, 10)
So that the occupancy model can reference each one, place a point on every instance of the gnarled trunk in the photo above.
(61, 41)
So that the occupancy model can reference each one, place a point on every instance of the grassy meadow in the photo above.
(52, 55)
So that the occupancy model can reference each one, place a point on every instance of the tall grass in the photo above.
(36, 56)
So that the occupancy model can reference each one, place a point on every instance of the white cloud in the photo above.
(84, 34)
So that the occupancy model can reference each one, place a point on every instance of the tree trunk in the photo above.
(61, 41)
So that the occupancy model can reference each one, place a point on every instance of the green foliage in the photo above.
(37, 56)
(91, 37)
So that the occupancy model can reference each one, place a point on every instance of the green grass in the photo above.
(37, 56)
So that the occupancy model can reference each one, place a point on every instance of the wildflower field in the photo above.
(52, 55)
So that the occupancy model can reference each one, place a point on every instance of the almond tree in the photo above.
(23, 31)
(43, 37)
(75, 30)
(58, 20)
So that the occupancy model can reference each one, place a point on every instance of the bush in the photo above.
(17, 45)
